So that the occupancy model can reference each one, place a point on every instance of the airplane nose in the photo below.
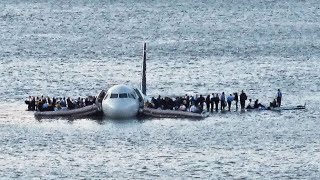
(121, 110)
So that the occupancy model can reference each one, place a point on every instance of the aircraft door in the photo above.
(99, 99)
(141, 100)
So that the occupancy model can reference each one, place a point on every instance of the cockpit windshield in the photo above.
(114, 95)
(123, 95)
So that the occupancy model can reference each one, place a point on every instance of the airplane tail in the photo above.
(144, 66)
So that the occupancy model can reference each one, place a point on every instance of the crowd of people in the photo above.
(213, 102)
(196, 104)
(53, 104)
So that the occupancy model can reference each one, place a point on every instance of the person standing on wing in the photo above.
(208, 102)
(279, 97)
(212, 101)
(236, 99)
(229, 100)
(222, 101)
(216, 101)
(243, 98)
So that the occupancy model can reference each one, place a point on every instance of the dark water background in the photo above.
(76, 48)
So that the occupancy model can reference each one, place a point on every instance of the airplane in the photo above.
(120, 102)
(126, 102)
(123, 101)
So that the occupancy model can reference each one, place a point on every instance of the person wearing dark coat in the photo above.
(187, 101)
(223, 100)
(155, 103)
(243, 98)
(33, 104)
(208, 103)
(201, 101)
(236, 99)
(70, 104)
(279, 97)
(216, 101)
(212, 101)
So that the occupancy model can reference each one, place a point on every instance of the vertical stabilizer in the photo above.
(144, 66)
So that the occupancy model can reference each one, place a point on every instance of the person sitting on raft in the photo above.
(45, 105)
(58, 106)
(195, 109)
(182, 107)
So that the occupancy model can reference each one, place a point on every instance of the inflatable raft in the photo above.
(172, 113)
(91, 110)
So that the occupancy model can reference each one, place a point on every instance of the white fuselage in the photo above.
(120, 102)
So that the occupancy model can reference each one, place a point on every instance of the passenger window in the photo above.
(124, 95)
(114, 96)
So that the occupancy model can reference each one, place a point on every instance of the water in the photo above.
(77, 48)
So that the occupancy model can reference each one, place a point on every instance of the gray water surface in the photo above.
(77, 48)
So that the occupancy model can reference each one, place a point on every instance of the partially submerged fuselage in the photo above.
(121, 102)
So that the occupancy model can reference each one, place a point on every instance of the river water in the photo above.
(76, 48)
